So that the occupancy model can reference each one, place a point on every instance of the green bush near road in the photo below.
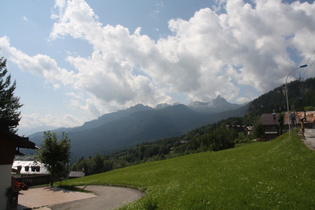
(279, 174)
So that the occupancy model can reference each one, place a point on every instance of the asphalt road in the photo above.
(103, 197)
(310, 138)
(107, 198)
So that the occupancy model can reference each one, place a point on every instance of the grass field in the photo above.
(279, 174)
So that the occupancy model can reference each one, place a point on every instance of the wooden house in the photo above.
(272, 127)
(9, 145)
(30, 172)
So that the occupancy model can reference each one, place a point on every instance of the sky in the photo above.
(75, 60)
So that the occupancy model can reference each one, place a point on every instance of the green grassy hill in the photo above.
(279, 174)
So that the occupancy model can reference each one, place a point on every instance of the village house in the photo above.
(270, 124)
(9, 146)
(30, 172)
(272, 127)
(24, 168)
(76, 174)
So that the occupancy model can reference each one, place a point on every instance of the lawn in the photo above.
(279, 174)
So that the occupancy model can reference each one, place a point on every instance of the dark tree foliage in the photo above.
(218, 139)
(93, 165)
(9, 104)
(258, 130)
(55, 155)
(280, 120)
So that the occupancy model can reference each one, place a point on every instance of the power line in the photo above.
(309, 66)
(310, 57)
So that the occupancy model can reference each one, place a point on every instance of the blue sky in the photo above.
(76, 60)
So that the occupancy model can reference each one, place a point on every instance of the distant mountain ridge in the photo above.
(218, 104)
(106, 118)
(126, 128)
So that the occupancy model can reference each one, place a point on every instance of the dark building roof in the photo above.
(269, 119)
(21, 142)
(10, 141)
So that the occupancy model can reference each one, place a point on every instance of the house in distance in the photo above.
(272, 126)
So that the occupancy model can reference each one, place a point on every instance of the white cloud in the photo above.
(210, 54)
(40, 65)
(34, 120)
(108, 72)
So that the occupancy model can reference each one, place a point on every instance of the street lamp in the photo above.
(286, 88)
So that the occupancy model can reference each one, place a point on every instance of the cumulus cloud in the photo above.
(40, 65)
(216, 52)
(108, 73)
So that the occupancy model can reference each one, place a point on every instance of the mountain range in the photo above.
(126, 128)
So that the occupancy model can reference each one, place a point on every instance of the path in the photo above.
(104, 197)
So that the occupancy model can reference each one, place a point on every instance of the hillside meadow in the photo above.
(279, 174)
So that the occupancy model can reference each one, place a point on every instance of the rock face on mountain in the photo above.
(218, 104)
(126, 128)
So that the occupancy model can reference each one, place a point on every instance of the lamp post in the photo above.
(286, 88)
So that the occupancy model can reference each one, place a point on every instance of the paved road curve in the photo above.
(104, 197)
(108, 198)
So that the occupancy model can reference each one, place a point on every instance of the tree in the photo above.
(9, 104)
(218, 139)
(55, 155)
(93, 165)
(281, 122)
(258, 130)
